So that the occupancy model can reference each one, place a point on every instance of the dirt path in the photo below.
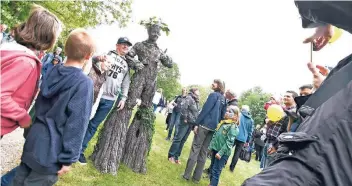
(11, 150)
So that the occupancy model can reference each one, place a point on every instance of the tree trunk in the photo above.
(139, 139)
(109, 148)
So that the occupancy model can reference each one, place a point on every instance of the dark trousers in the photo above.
(25, 176)
(198, 154)
(236, 155)
(102, 111)
(258, 152)
(216, 167)
(168, 119)
(181, 137)
(7, 178)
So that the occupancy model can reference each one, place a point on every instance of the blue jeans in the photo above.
(180, 138)
(8, 177)
(175, 120)
(103, 110)
(216, 167)
(265, 158)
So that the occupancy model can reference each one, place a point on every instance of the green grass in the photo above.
(160, 171)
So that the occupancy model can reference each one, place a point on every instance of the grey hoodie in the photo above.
(117, 78)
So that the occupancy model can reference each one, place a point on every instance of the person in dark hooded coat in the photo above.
(319, 152)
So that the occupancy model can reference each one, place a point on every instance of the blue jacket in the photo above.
(48, 58)
(213, 111)
(246, 127)
(62, 111)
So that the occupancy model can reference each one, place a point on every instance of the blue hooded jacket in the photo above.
(62, 109)
(213, 111)
(246, 127)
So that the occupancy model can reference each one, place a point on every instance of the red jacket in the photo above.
(20, 72)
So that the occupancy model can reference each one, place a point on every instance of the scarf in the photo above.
(225, 121)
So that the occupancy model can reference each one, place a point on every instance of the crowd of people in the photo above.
(64, 92)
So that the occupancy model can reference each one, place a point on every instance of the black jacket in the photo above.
(321, 152)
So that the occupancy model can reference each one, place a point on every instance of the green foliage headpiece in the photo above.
(153, 21)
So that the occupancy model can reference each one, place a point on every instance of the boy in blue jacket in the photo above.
(62, 110)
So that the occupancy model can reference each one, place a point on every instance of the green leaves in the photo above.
(73, 14)
(168, 80)
(155, 21)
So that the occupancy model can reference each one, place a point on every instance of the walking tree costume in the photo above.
(112, 144)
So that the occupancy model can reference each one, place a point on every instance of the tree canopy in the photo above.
(73, 14)
(255, 98)
(168, 80)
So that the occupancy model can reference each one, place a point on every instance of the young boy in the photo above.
(62, 110)
(222, 143)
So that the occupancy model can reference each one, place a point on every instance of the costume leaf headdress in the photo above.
(155, 21)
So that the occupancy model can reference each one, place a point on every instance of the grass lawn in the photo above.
(160, 171)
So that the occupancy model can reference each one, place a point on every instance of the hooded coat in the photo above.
(62, 108)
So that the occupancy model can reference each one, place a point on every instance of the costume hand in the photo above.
(139, 66)
(217, 156)
(195, 130)
(321, 36)
(64, 169)
(121, 105)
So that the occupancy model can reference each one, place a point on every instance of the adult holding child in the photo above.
(115, 88)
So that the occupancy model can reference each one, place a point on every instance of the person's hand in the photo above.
(271, 150)
(185, 121)
(321, 36)
(195, 130)
(121, 105)
(101, 58)
(217, 156)
(323, 70)
(64, 169)
(25, 124)
(318, 78)
(246, 144)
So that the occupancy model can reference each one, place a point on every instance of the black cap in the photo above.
(124, 40)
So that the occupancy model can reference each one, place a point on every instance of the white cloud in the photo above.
(245, 43)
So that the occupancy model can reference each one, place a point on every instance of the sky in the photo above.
(244, 43)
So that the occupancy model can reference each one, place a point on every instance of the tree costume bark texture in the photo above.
(110, 148)
(140, 133)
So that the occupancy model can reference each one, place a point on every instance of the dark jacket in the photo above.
(323, 154)
(180, 100)
(62, 110)
(246, 127)
(233, 102)
(257, 134)
(190, 109)
(213, 111)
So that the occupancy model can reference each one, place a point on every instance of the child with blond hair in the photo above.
(62, 110)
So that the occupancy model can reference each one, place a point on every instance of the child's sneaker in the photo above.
(178, 162)
(82, 159)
